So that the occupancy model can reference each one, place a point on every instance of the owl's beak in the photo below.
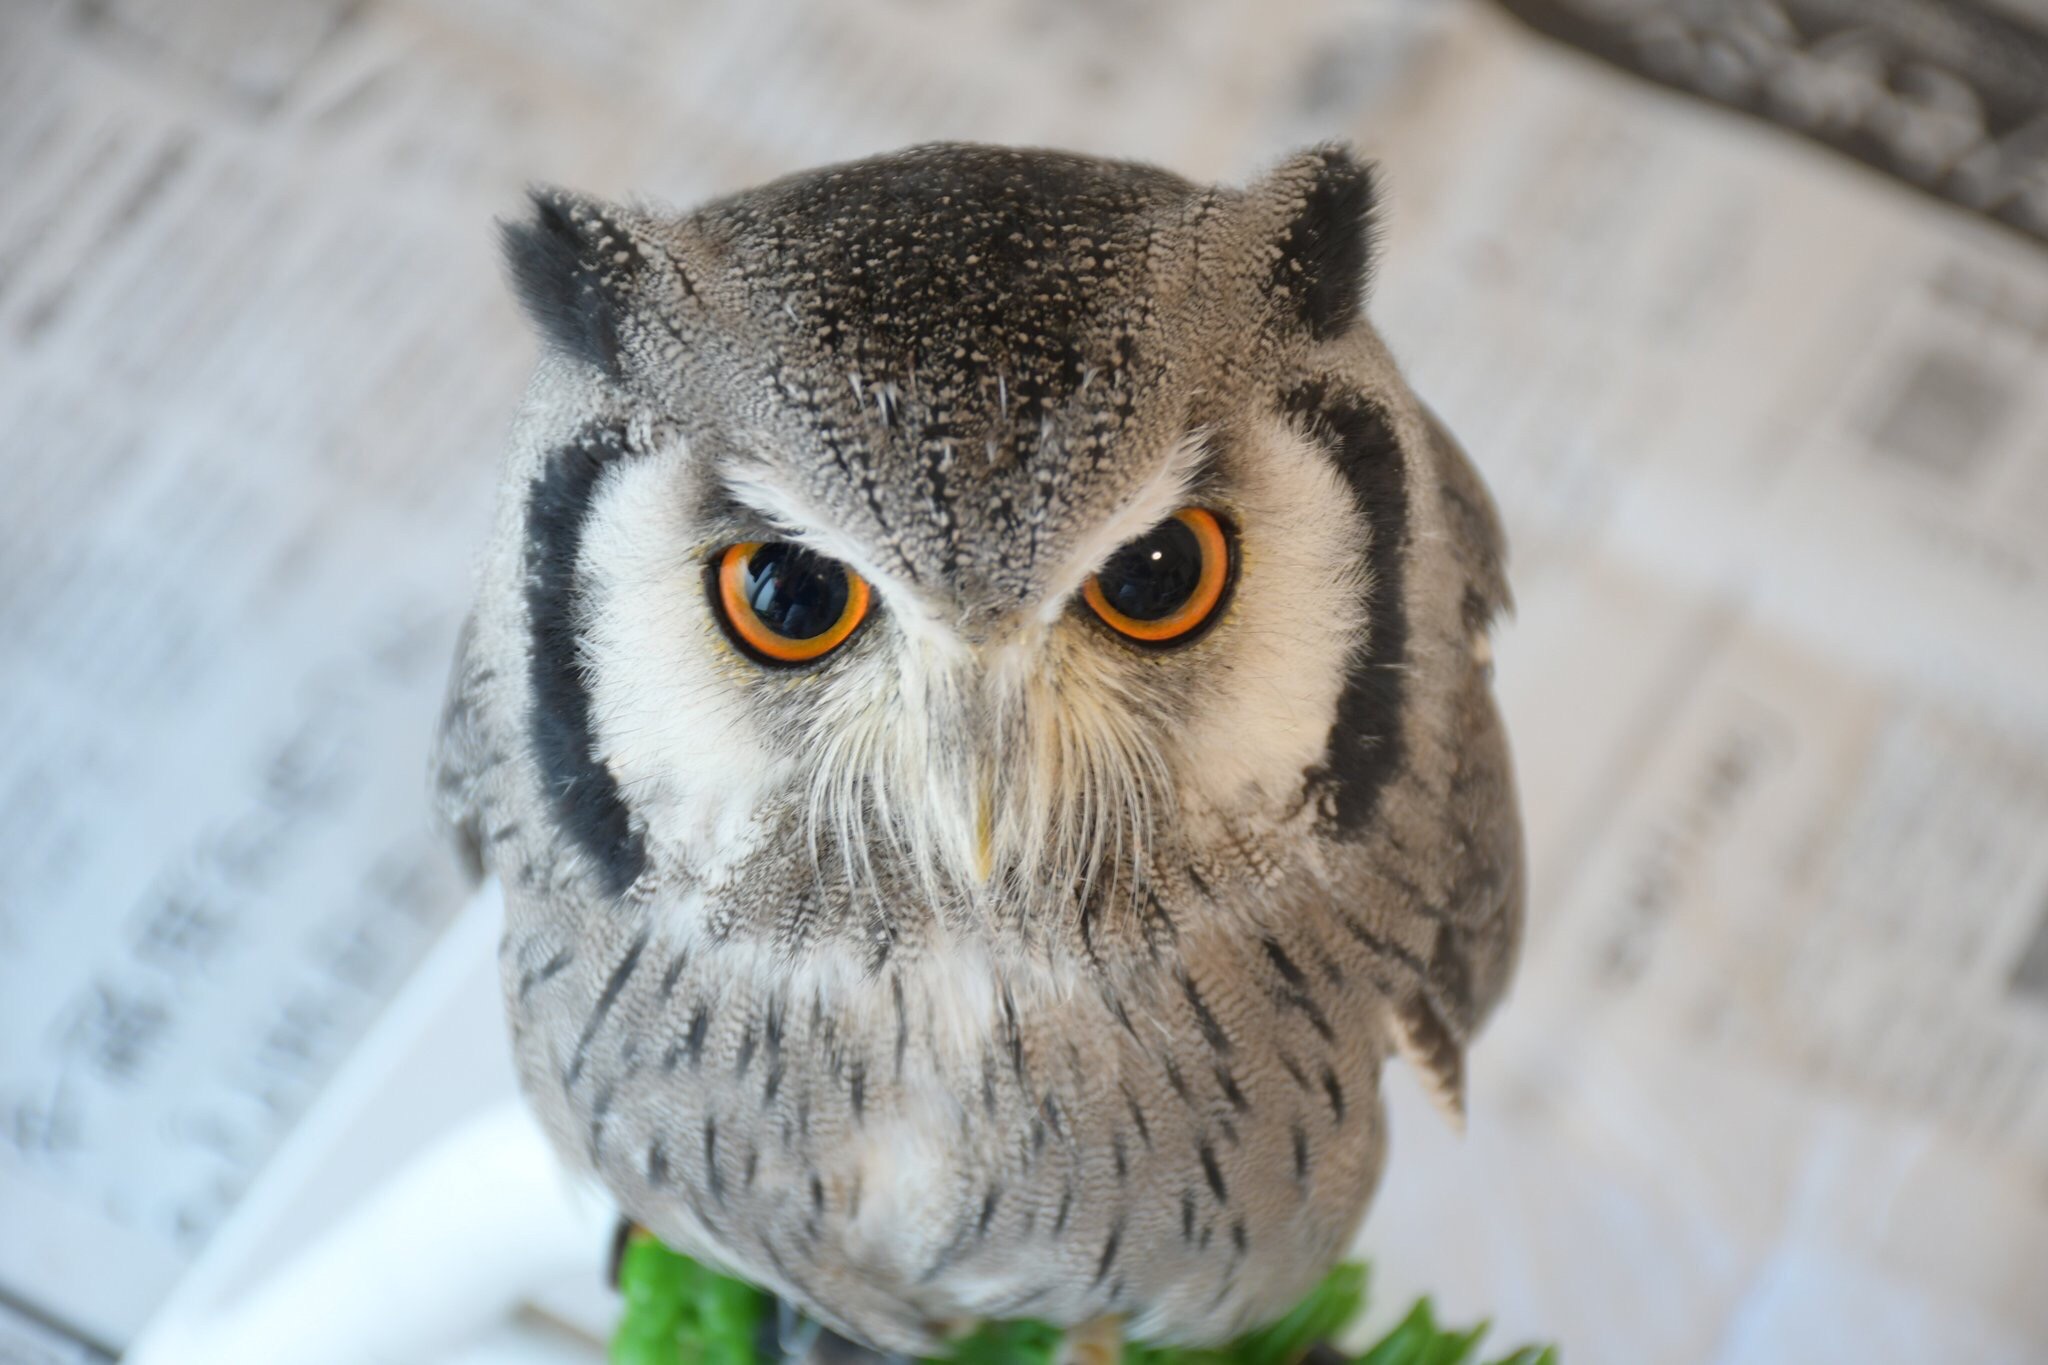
(984, 833)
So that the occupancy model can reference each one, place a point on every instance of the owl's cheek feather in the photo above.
(1259, 707)
(672, 717)
(583, 791)
(1367, 739)
(1005, 744)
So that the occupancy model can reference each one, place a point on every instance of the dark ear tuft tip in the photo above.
(1326, 247)
(560, 274)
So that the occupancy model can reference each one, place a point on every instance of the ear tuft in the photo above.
(1326, 243)
(572, 264)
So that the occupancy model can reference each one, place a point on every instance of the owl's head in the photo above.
(971, 542)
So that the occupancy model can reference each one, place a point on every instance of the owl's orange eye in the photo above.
(784, 604)
(1168, 583)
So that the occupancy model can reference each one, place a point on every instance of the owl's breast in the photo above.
(945, 1141)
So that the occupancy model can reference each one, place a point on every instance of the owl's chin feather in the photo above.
(1004, 798)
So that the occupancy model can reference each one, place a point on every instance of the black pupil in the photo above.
(1152, 577)
(795, 593)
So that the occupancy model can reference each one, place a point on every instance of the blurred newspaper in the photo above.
(1770, 433)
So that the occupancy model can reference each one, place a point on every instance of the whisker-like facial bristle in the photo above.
(1002, 793)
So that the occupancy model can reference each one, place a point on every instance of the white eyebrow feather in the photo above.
(1162, 494)
(755, 483)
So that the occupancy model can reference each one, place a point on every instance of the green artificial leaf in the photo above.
(1417, 1340)
(1322, 1316)
(1530, 1355)
(677, 1312)
(1455, 1348)
(1008, 1343)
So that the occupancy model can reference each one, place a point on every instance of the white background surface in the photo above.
(1771, 440)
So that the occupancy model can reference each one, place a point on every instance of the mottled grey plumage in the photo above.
(994, 966)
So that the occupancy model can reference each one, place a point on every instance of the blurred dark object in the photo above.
(1949, 96)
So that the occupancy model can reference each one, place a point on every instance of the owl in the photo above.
(979, 699)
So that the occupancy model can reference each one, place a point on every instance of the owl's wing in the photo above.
(462, 755)
(1476, 888)
(1478, 541)
(1479, 902)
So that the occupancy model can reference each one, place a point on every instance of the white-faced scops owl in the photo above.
(980, 703)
